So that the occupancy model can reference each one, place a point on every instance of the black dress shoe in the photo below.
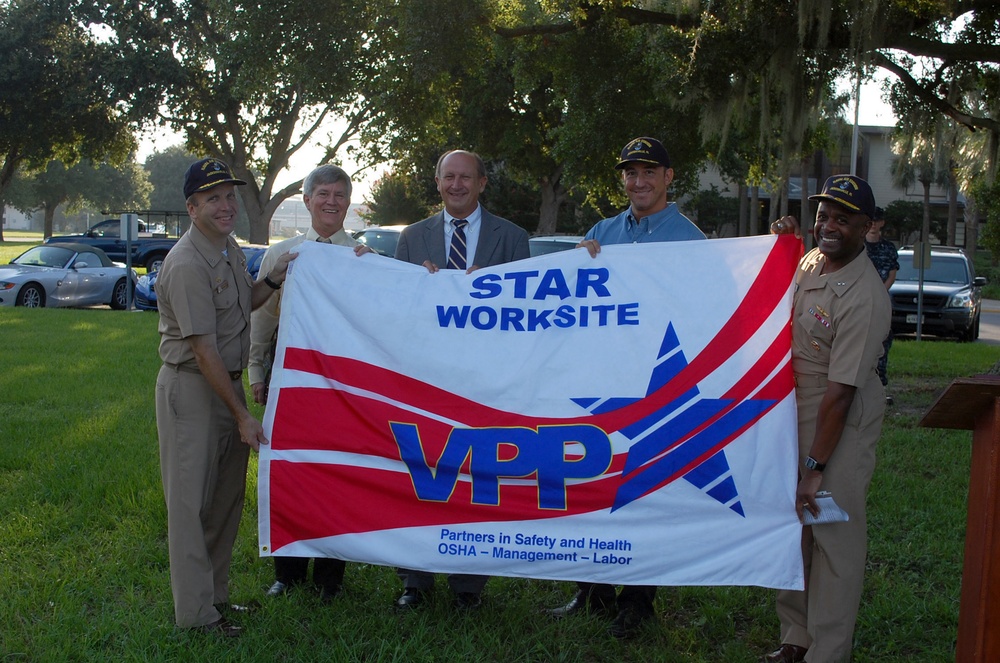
(277, 589)
(583, 604)
(222, 627)
(411, 598)
(628, 622)
(786, 653)
(467, 600)
(328, 594)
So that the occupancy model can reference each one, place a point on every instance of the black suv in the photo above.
(952, 295)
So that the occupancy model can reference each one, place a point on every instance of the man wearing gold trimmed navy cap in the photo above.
(650, 217)
(205, 430)
(840, 314)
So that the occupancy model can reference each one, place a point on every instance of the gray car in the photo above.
(540, 245)
(380, 239)
(952, 298)
(63, 275)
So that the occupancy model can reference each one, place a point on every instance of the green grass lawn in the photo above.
(83, 556)
(10, 250)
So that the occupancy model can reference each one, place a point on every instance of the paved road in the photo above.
(989, 323)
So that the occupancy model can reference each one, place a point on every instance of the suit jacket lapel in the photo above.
(489, 239)
(434, 240)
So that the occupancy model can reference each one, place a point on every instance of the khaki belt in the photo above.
(810, 380)
(184, 368)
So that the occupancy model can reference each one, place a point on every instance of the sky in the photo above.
(873, 110)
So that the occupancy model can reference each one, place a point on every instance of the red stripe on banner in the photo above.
(318, 492)
(776, 352)
(764, 295)
(333, 420)
(777, 389)
(775, 385)
(321, 419)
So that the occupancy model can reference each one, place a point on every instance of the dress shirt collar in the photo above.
(473, 219)
(313, 236)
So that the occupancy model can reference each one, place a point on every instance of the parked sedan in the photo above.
(145, 290)
(63, 274)
(540, 245)
(380, 239)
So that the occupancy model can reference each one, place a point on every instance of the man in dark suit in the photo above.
(446, 241)
(490, 240)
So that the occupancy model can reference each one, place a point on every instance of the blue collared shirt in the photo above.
(667, 225)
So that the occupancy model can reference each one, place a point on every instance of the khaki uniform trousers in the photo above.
(822, 617)
(203, 465)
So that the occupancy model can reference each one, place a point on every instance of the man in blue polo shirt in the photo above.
(646, 174)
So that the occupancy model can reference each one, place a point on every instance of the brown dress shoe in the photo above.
(787, 653)
(222, 627)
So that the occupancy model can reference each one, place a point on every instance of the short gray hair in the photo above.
(480, 165)
(326, 174)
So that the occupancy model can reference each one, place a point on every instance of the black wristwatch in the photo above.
(813, 464)
(270, 283)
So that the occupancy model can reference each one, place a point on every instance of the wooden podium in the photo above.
(974, 404)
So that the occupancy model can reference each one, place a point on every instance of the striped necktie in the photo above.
(456, 255)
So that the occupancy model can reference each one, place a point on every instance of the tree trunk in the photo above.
(925, 230)
(971, 225)
(741, 225)
(255, 216)
(783, 209)
(553, 196)
(952, 205)
(10, 164)
(773, 206)
(754, 211)
(50, 213)
(805, 218)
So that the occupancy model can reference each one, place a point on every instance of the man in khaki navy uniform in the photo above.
(326, 193)
(841, 313)
(205, 431)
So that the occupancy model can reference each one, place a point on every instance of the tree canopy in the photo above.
(58, 93)
(103, 186)
(253, 83)
(555, 88)
(549, 90)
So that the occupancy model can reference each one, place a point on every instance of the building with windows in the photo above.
(874, 163)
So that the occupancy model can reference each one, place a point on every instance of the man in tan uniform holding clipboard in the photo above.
(840, 315)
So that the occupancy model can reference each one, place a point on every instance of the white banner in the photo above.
(627, 419)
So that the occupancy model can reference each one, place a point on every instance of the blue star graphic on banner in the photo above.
(657, 455)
